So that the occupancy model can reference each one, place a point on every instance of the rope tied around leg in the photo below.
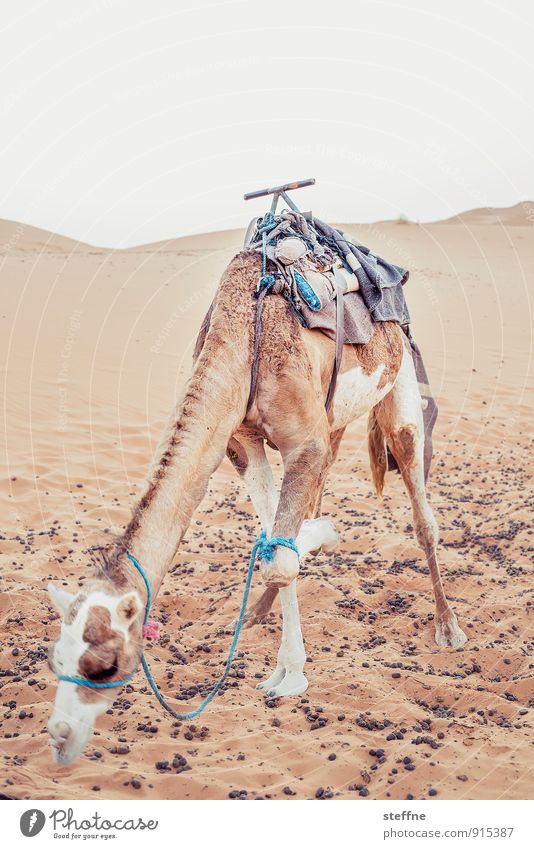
(266, 547)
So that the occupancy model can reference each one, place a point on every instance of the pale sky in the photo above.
(126, 122)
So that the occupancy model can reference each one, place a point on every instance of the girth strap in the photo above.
(340, 287)
(258, 326)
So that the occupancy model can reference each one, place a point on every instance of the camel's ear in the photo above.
(129, 608)
(61, 599)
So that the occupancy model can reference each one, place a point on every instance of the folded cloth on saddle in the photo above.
(380, 281)
(358, 326)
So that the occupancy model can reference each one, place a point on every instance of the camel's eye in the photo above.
(102, 674)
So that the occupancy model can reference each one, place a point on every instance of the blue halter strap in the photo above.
(263, 547)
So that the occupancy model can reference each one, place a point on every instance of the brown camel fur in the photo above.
(102, 625)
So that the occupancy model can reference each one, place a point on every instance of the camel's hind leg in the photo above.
(400, 418)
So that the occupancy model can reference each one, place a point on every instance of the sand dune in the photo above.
(519, 215)
(15, 236)
(95, 346)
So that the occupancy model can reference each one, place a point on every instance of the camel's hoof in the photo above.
(449, 633)
(283, 683)
(273, 681)
(331, 541)
(318, 535)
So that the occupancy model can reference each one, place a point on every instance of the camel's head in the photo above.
(100, 641)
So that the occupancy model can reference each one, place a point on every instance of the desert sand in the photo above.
(95, 347)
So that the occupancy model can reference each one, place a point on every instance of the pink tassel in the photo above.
(151, 630)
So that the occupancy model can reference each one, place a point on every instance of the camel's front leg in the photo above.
(305, 466)
(304, 469)
(247, 454)
(288, 679)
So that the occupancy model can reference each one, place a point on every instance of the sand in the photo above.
(96, 345)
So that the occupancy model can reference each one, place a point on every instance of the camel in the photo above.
(101, 628)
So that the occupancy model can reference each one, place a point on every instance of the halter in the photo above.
(265, 548)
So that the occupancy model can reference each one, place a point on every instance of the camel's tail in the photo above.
(376, 442)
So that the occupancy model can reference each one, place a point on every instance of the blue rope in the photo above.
(266, 281)
(147, 585)
(107, 685)
(265, 548)
(96, 685)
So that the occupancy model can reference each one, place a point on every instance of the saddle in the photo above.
(321, 284)
(319, 288)
(336, 286)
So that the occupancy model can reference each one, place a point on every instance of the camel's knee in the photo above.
(313, 455)
(404, 443)
(426, 527)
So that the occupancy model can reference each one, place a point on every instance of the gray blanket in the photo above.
(358, 326)
(380, 281)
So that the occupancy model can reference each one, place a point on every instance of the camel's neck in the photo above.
(193, 448)
(212, 408)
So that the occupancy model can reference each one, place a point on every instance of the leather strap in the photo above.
(258, 326)
(341, 285)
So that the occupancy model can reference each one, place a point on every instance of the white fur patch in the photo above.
(71, 645)
(72, 720)
(356, 394)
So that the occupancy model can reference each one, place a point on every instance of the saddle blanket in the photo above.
(358, 325)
